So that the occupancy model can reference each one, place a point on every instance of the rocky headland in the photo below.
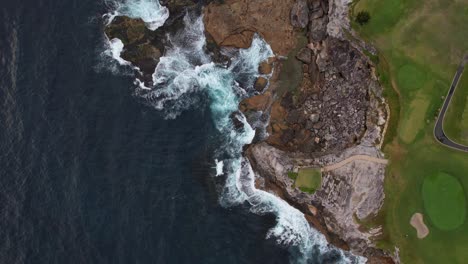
(321, 105)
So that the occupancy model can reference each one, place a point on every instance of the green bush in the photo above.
(293, 175)
(362, 17)
(307, 190)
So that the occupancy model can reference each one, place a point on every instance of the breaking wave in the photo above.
(150, 11)
(185, 73)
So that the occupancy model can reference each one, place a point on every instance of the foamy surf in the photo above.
(116, 48)
(150, 11)
(186, 71)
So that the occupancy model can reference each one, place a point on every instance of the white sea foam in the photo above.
(116, 48)
(150, 11)
(219, 167)
(186, 71)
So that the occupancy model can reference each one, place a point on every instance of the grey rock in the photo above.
(300, 14)
(304, 55)
(314, 118)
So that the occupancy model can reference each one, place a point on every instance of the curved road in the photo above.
(439, 133)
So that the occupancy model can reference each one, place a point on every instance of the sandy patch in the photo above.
(417, 221)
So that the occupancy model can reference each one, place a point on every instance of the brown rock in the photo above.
(260, 84)
(265, 68)
(300, 14)
(256, 103)
(126, 29)
(269, 18)
(242, 40)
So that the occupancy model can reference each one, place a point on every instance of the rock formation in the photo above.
(321, 105)
(335, 111)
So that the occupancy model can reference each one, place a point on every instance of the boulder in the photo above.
(300, 14)
(304, 55)
(318, 29)
(265, 68)
(260, 84)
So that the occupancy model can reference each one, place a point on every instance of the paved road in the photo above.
(351, 159)
(439, 133)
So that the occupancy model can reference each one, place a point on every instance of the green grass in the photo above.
(292, 175)
(392, 98)
(420, 45)
(444, 201)
(456, 119)
(309, 180)
(411, 77)
(389, 13)
(415, 116)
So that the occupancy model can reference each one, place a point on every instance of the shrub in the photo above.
(292, 175)
(363, 17)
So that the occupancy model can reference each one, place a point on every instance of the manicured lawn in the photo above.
(444, 200)
(411, 76)
(415, 116)
(309, 180)
(420, 43)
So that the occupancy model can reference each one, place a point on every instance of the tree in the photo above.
(363, 17)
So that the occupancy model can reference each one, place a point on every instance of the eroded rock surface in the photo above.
(233, 22)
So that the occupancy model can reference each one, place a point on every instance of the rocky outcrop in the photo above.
(337, 86)
(335, 112)
(347, 195)
(143, 47)
(233, 22)
(140, 47)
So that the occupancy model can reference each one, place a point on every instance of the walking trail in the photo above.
(351, 159)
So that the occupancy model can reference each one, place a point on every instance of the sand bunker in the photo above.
(417, 221)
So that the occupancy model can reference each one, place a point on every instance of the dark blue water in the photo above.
(90, 175)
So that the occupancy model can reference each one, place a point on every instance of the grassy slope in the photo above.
(421, 42)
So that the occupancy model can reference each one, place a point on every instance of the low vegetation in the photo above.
(362, 17)
(309, 179)
(292, 175)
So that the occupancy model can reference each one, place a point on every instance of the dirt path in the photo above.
(354, 158)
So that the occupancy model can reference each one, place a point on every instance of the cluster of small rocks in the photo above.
(328, 112)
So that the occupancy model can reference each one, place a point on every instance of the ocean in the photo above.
(95, 169)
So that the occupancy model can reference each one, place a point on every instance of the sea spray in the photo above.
(185, 72)
(150, 11)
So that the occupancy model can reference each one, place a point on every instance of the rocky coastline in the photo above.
(322, 104)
